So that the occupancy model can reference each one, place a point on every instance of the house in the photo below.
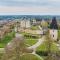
(53, 29)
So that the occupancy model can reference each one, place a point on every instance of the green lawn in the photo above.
(23, 57)
(8, 37)
(44, 47)
(30, 57)
(30, 41)
(34, 27)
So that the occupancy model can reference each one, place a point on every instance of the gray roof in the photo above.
(53, 24)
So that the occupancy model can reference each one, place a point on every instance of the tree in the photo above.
(51, 53)
(44, 24)
(15, 49)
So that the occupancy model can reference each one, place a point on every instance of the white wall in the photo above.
(25, 24)
(55, 33)
(28, 25)
(39, 32)
(22, 23)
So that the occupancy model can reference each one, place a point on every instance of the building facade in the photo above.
(54, 29)
(25, 24)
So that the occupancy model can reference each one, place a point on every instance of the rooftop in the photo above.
(53, 24)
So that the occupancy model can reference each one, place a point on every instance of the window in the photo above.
(53, 35)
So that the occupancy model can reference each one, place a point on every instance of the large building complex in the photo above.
(25, 23)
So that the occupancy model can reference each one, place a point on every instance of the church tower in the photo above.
(54, 29)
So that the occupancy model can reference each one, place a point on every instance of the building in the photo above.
(28, 25)
(54, 29)
(34, 22)
(25, 23)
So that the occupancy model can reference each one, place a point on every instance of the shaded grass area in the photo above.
(1, 55)
(8, 37)
(23, 57)
(29, 35)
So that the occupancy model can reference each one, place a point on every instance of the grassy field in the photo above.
(44, 47)
(8, 37)
(34, 27)
(30, 41)
(30, 57)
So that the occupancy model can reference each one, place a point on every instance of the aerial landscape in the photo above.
(29, 29)
(33, 37)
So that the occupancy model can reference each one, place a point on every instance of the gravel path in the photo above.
(40, 41)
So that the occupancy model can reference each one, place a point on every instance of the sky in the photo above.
(29, 7)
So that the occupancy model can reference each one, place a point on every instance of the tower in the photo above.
(54, 29)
